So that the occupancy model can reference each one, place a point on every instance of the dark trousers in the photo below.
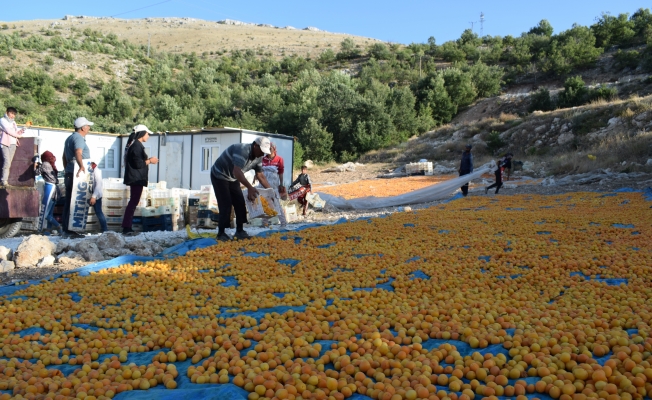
(228, 194)
(67, 180)
(496, 185)
(465, 188)
(128, 219)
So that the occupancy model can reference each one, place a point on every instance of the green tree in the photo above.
(543, 28)
(459, 86)
(486, 79)
(610, 30)
(575, 93)
(317, 143)
(432, 95)
(379, 51)
(541, 101)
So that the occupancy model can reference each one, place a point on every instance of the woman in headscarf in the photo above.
(48, 171)
(136, 171)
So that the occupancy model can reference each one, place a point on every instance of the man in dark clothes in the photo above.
(507, 164)
(466, 167)
(499, 178)
(228, 173)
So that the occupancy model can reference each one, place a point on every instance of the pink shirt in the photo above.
(9, 132)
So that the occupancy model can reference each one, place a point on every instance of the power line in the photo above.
(142, 8)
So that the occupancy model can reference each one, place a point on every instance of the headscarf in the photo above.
(132, 138)
(8, 119)
(50, 158)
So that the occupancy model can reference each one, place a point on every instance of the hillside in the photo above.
(349, 97)
(187, 35)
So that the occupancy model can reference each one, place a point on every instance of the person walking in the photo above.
(9, 139)
(507, 164)
(499, 178)
(48, 171)
(96, 197)
(74, 150)
(305, 187)
(136, 172)
(466, 167)
(228, 173)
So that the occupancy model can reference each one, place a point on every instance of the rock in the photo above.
(136, 244)
(538, 143)
(623, 163)
(565, 127)
(144, 252)
(540, 128)
(649, 161)
(555, 120)
(70, 257)
(613, 121)
(565, 138)
(89, 251)
(117, 252)
(6, 266)
(155, 248)
(32, 249)
(6, 254)
(110, 240)
(47, 261)
(528, 166)
(62, 246)
(443, 170)
(309, 164)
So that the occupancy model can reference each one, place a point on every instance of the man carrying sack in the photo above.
(228, 173)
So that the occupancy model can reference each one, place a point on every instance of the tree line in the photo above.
(395, 91)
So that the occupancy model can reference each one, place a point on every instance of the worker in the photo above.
(274, 161)
(228, 173)
(305, 187)
(466, 167)
(9, 135)
(74, 150)
(96, 197)
(136, 172)
(507, 164)
(48, 171)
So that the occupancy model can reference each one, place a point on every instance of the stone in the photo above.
(117, 252)
(6, 266)
(309, 164)
(565, 138)
(613, 121)
(136, 244)
(47, 261)
(89, 251)
(62, 246)
(528, 166)
(70, 257)
(6, 253)
(110, 240)
(540, 128)
(144, 252)
(649, 161)
(32, 249)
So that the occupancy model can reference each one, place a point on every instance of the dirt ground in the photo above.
(186, 35)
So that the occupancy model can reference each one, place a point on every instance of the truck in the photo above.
(20, 199)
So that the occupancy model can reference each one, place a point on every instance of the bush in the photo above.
(494, 142)
(603, 93)
(627, 59)
(380, 52)
(541, 101)
(575, 93)
(327, 57)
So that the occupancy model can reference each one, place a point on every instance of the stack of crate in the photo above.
(115, 198)
(419, 168)
(207, 211)
(166, 202)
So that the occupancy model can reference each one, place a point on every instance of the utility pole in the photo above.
(472, 25)
(149, 38)
(481, 24)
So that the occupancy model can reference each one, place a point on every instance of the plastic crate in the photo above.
(147, 212)
(114, 220)
(114, 183)
(115, 193)
(114, 202)
(113, 211)
(161, 223)
(206, 223)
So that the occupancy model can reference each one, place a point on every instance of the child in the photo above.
(96, 198)
(49, 173)
(499, 178)
(306, 186)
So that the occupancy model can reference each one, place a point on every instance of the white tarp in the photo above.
(438, 191)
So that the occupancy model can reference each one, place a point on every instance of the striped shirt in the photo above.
(236, 155)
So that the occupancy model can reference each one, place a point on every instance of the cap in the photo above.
(141, 127)
(264, 144)
(468, 146)
(81, 122)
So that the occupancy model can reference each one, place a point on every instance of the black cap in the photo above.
(468, 146)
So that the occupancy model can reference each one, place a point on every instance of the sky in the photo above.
(393, 21)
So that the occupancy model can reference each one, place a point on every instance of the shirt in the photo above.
(74, 142)
(303, 179)
(47, 172)
(98, 186)
(466, 165)
(277, 162)
(236, 155)
(8, 132)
